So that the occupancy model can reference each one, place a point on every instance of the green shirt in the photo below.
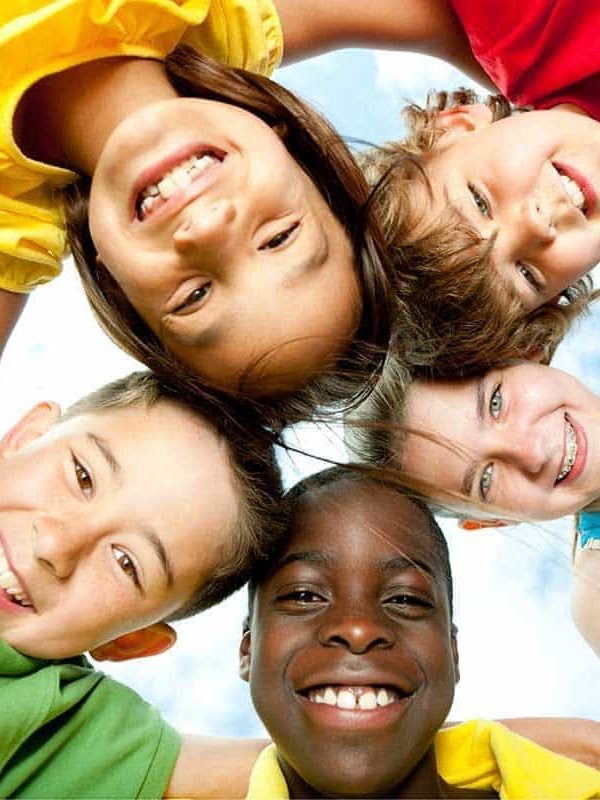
(69, 731)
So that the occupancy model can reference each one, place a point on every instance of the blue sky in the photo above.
(520, 654)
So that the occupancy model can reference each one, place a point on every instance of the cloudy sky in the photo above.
(520, 654)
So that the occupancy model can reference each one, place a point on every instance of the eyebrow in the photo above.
(312, 556)
(403, 563)
(165, 562)
(469, 476)
(106, 452)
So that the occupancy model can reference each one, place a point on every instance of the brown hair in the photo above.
(261, 518)
(326, 159)
(458, 315)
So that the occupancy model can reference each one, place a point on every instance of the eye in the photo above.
(279, 238)
(496, 402)
(302, 597)
(194, 298)
(83, 477)
(529, 276)
(126, 564)
(408, 604)
(480, 201)
(485, 482)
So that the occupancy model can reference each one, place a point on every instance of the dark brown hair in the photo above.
(458, 315)
(326, 159)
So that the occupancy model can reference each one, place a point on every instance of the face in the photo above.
(533, 180)
(108, 523)
(223, 244)
(519, 441)
(351, 656)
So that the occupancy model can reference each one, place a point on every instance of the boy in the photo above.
(352, 660)
(131, 510)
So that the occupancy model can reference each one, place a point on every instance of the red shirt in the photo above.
(537, 52)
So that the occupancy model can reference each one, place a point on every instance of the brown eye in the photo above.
(83, 477)
(194, 298)
(126, 564)
(279, 238)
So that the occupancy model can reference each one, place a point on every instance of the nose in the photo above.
(205, 225)
(536, 222)
(527, 450)
(58, 544)
(356, 632)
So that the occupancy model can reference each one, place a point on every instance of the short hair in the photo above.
(260, 519)
(328, 162)
(358, 474)
(458, 314)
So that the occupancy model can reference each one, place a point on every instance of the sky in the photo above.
(519, 651)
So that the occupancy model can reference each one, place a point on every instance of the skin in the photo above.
(498, 442)
(85, 513)
(358, 598)
(586, 595)
(503, 178)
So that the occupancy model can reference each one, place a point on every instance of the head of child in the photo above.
(494, 219)
(349, 649)
(226, 229)
(131, 510)
(512, 443)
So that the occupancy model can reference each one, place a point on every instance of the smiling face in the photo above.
(533, 181)
(519, 441)
(352, 661)
(108, 523)
(223, 244)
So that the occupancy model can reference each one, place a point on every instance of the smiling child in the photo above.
(352, 661)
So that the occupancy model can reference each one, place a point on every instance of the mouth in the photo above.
(167, 179)
(11, 586)
(578, 188)
(574, 451)
(354, 698)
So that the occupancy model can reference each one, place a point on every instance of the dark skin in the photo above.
(357, 601)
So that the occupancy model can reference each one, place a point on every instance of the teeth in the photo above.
(572, 189)
(10, 583)
(177, 178)
(570, 451)
(351, 698)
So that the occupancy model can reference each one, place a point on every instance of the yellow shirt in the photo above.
(474, 755)
(41, 37)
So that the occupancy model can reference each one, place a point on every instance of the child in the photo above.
(586, 585)
(352, 660)
(99, 551)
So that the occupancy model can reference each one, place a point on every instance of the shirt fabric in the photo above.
(537, 52)
(588, 525)
(41, 37)
(69, 731)
(474, 755)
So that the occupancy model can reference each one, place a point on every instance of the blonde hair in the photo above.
(457, 314)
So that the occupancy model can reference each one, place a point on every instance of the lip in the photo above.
(350, 677)
(5, 603)
(581, 457)
(345, 719)
(589, 193)
(182, 196)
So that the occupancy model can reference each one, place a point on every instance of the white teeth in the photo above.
(351, 698)
(570, 451)
(10, 583)
(572, 189)
(167, 187)
(177, 178)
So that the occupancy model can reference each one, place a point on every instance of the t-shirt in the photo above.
(69, 731)
(42, 37)
(537, 52)
(474, 755)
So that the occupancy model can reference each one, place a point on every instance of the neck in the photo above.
(66, 119)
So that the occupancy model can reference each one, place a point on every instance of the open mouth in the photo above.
(354, 698)
(185, 172)
(569, 453)
(10, 585)
(577, 188)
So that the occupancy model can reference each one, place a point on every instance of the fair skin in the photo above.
(89, 553)
(586, 596)
(518, 441)
(531, 180)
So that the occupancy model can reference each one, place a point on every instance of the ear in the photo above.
(454, 646)
(245, 655)
(460, 120)
(145, 642)
(35, 423)
(478, 524)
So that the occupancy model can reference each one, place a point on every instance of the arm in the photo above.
(424, 26)
(575, 738)
(11, 305)
(586, 596)
(210, 768)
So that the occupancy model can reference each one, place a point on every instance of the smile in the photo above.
(574, 452)
(577, 188)
(173, 178)
(354, 698)
(10, 585)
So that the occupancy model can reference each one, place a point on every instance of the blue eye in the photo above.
(480, 201)
(529, 276)
(496, 402)
(485, 482)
